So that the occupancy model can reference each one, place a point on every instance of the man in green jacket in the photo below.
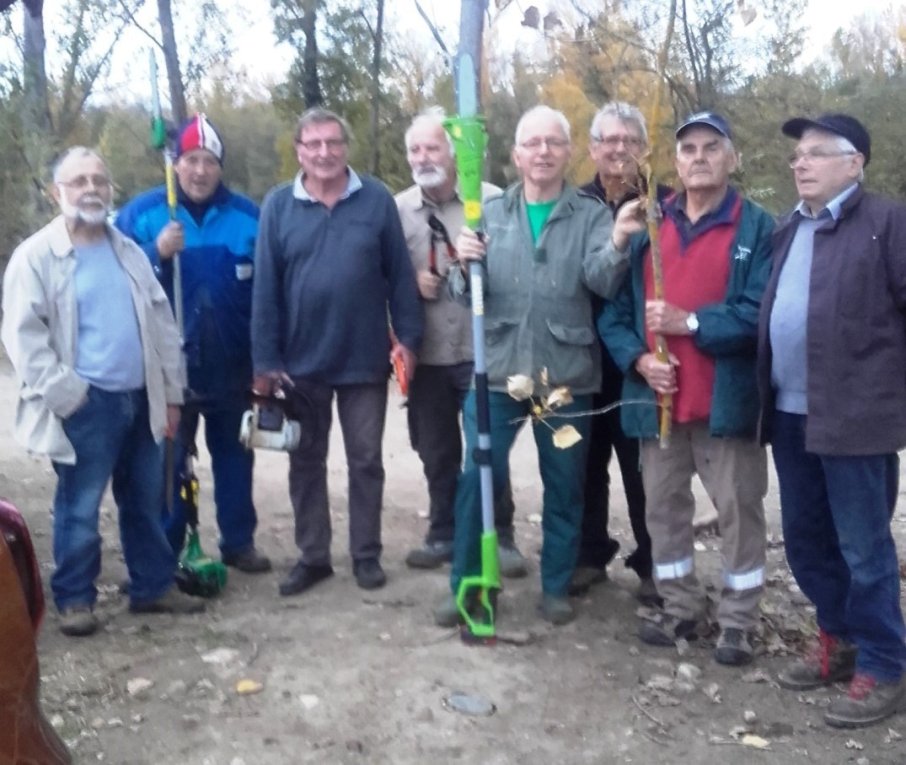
(715, 249)
(547, 250)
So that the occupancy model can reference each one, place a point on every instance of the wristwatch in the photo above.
(692, 323)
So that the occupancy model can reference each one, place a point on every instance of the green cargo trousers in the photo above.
(562, 474)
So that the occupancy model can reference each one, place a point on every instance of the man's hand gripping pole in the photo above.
(476, 597)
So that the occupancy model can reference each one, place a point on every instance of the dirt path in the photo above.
(355, 677)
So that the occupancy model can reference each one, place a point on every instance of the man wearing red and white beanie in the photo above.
(214, 231)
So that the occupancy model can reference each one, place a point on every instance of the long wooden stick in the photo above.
(653, 218)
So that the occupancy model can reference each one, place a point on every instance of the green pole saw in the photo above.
(197, 574)
(477, 595)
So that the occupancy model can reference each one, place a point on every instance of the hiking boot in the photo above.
(665, 629)
(828, 661)
(556, 609)
(512, 563)
(249, 561)
(447, 613)
(584, 578)
(734, 648)
(171, 602)
(867, 702)
(78, 621)
(647, 595)
(368, 573)
(430, 555)
(303, 577)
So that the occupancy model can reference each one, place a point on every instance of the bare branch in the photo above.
(434, 31)
(130, 15)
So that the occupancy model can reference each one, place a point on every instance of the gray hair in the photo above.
(543, 111)
(842, 144)
(317, 115)
(74, 151)
(433, 116)
(623, 112)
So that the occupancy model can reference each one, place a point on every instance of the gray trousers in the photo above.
(734, 473)
(362, 410)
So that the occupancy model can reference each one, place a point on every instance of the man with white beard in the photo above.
(432, 212)
(90, 334)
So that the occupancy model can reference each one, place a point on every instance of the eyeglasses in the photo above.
(615, 140)
(534, 144)
(81, 182)
(816, 155)
(332, 144)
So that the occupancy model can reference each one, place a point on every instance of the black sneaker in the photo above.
(368, 573)
(303, 577)
(734, 648)
(430, 555)
(249, 561)
(665, 629)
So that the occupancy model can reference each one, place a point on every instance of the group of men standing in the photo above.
(792, 334)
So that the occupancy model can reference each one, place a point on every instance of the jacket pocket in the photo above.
(570, 359)
(501, 351)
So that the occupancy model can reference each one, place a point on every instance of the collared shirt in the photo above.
(789, 315)
(721, 215)
(353, 184)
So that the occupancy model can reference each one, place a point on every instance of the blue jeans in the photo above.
(112, 439)
(836, 525)
(231, 465)
(563, 477)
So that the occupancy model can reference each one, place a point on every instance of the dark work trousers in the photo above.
(232, 466)
(606, 438)
(362, 410)
(436, 394)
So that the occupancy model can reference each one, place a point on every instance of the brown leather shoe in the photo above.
(171, 602)
(868, 702)
(828, 661)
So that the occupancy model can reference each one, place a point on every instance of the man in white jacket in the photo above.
(92, 339)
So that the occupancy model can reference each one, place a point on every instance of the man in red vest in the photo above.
(715, 249)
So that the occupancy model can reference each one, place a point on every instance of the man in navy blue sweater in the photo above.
(331, 262)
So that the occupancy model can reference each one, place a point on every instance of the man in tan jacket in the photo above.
(92, 339)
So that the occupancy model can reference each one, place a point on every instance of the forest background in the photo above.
(744, 58)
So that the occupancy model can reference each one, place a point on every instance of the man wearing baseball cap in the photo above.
(832, 375)
(715, 251)
(214, 231)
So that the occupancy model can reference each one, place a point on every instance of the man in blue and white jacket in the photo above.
(214, 232)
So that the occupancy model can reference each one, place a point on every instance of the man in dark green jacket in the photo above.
(715, 249)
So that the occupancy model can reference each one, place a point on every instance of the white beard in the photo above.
(430, 179)
(91, 217)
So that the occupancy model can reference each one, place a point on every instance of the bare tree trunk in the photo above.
(376, 88)
(38, 143)
(171, 59)
(311, 84)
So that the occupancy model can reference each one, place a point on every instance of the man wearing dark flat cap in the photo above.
(832, 377)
